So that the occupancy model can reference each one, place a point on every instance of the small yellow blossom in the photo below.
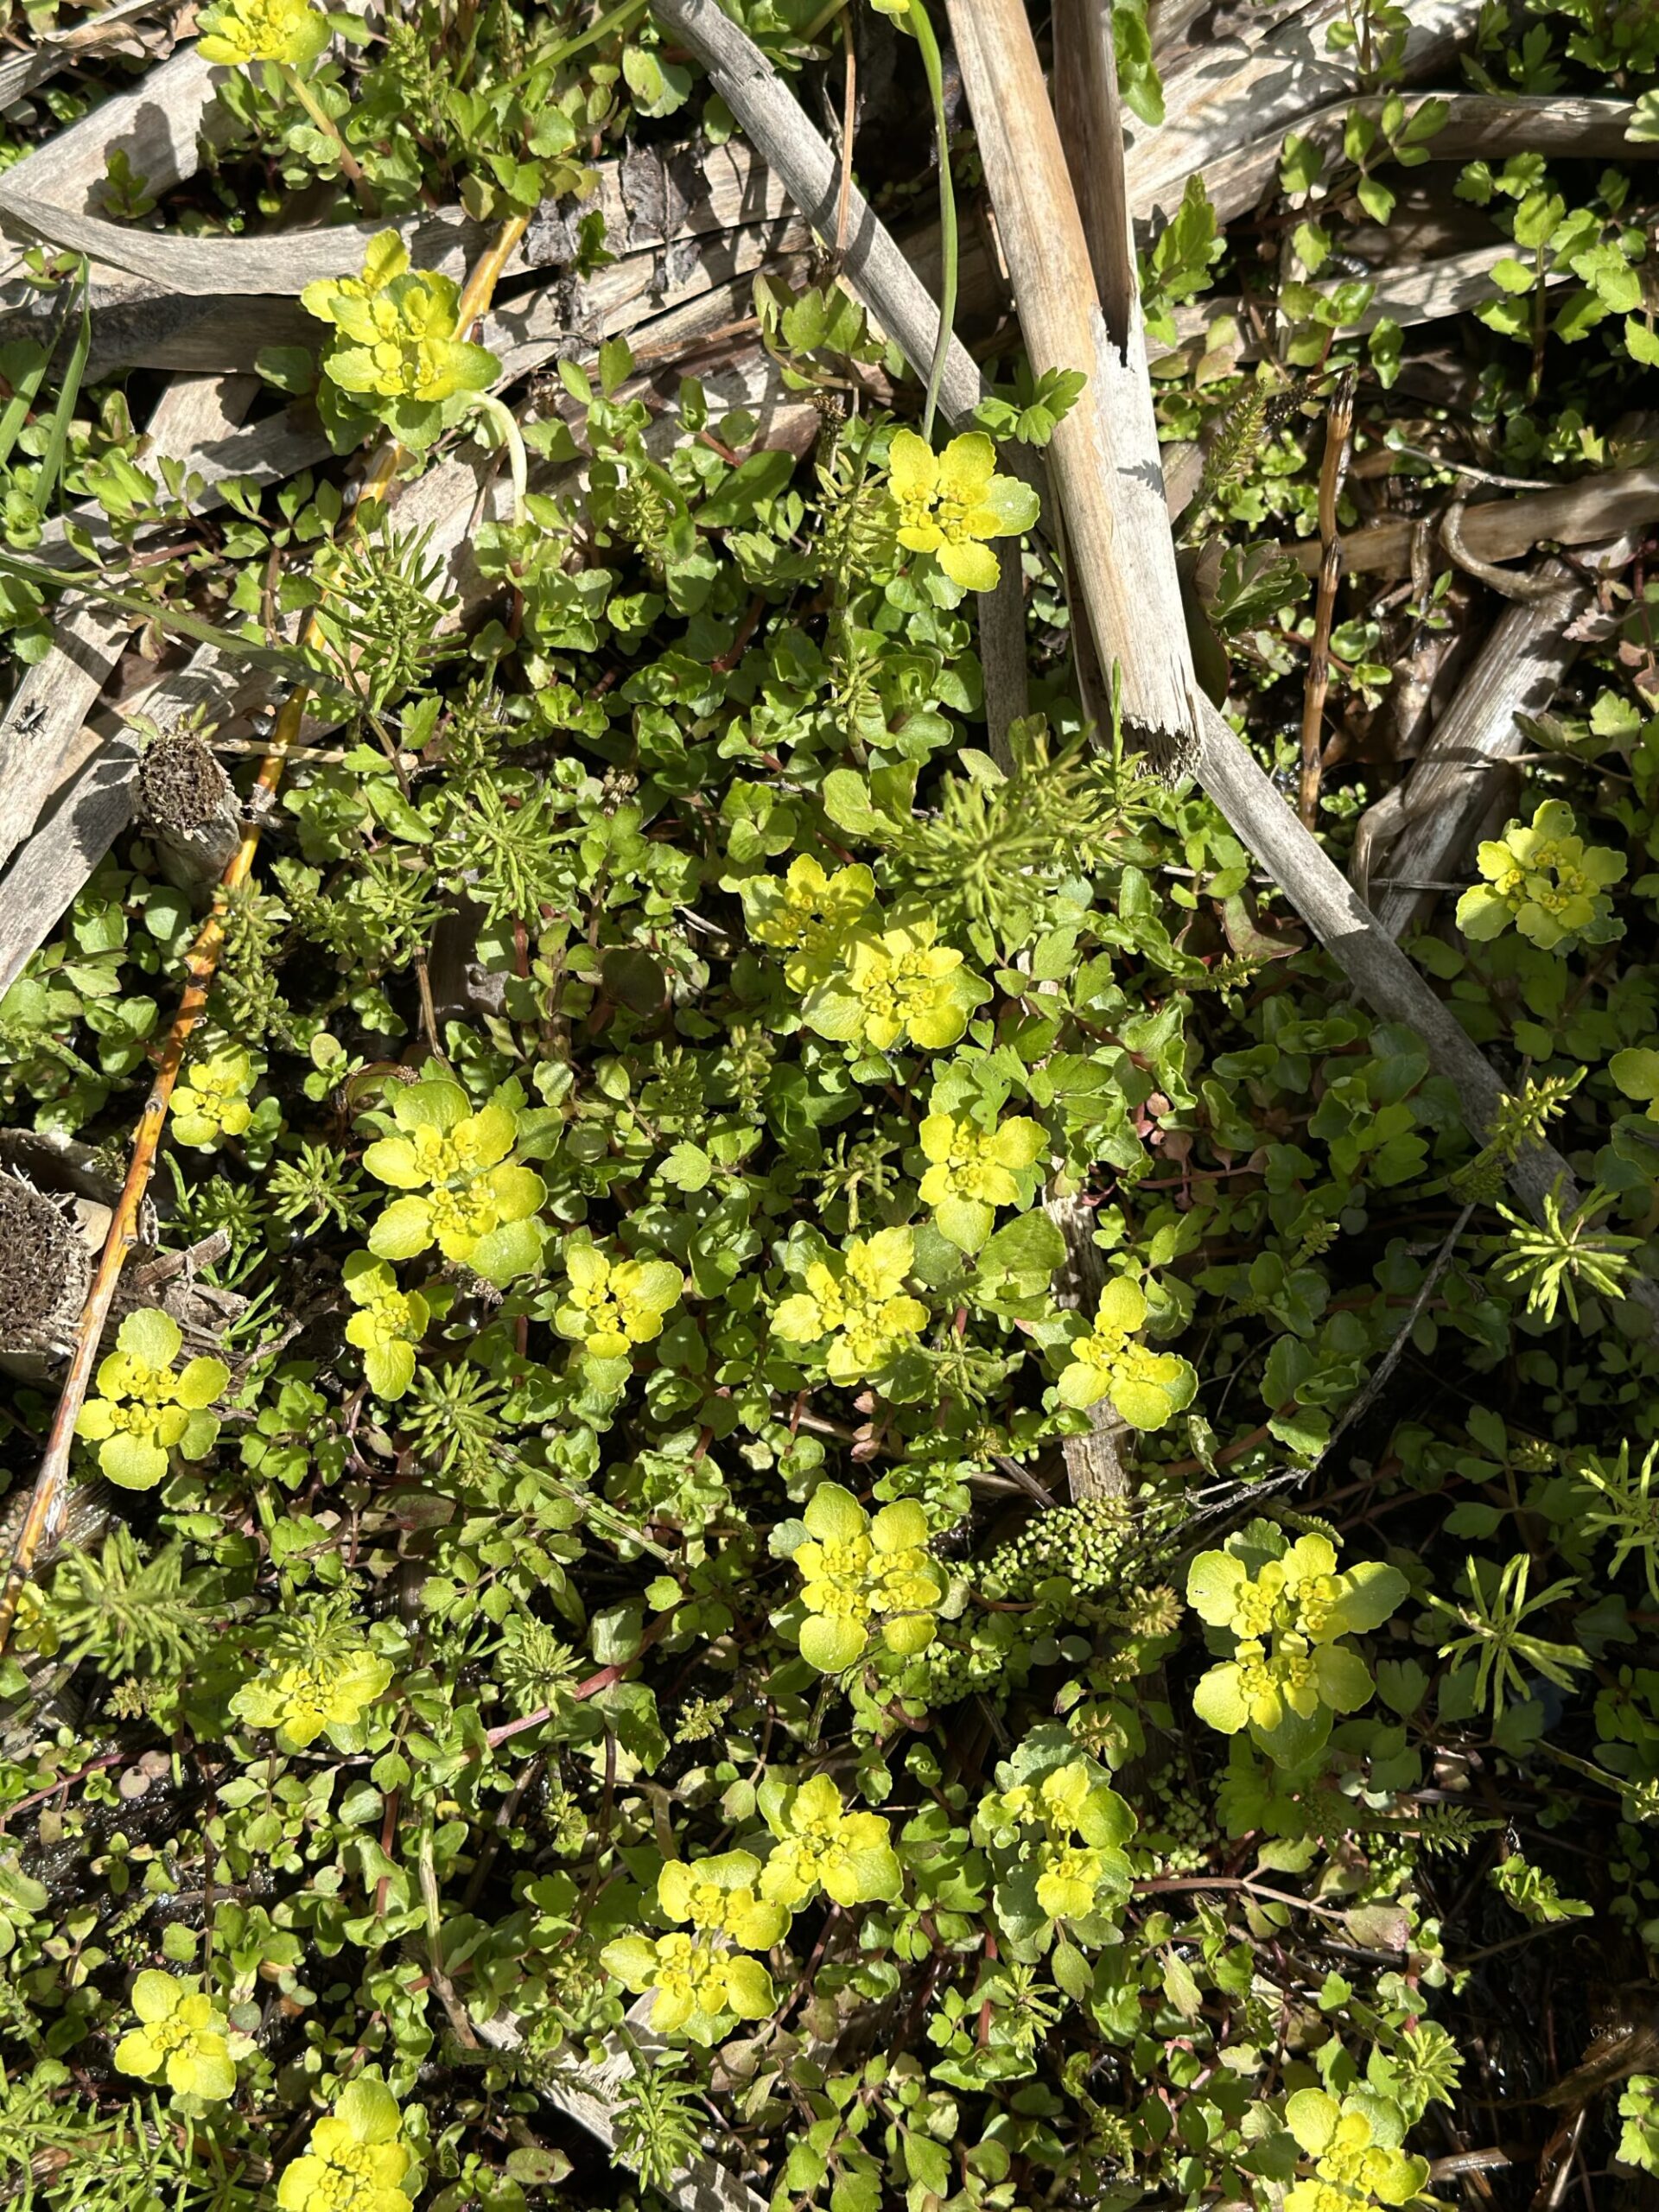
(700, 1989)
(389, 1325)
(1355, 2148)
(857, 1571)
(397, 349)
(1146, 1389)
(948, 503)
(145, 1408)
(718, 1896)
(856, 1307)
(809, 916)
(474, 1203)
(300, 1701)
(1542, 877)
(972, 1171)
(356, 2160)
(180, 2038)
(609, 1306)
(211, 1101)
(1289, 1670)
(237, 32)
(894, 984)
(821, 1846)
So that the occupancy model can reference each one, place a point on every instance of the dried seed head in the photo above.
(181, 785)
(44, 1267)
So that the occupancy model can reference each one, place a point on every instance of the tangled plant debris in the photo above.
(812, 1479)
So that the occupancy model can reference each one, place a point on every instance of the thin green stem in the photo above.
(821, 21)
(350, 168)
(613, 19)
(498, 413)
(917, 20)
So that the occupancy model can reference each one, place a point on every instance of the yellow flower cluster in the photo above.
(858, 1572)
(855, 1306)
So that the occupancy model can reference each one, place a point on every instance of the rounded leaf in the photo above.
(831, 1646)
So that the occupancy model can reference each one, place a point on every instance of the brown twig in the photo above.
(1339, 427)
(201, 964)
(849, 119)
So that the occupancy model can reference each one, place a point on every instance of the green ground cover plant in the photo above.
(604, 1588)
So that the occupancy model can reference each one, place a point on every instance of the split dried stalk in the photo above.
(1339, 429)
(201, 963)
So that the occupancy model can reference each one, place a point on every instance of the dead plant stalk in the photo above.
(201, 964)
(1338, 430)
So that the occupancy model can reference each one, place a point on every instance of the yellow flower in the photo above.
(180, 2039)
(356, 2160)
(237, 32)
(301, 1699)
(1543, 877)
(821, 1846)
(1289, 1668)
(475, 1204)
(856, 1570)
(396, 346)
(856, 1305)
(948, 503)
(211, 1101)
(717, 1896)
(1354, 2147)
(389, 1327)
(610, 1305)
(145, 1409)
(701, 1990)
(894, 984)
(973, 1171)
(1146, 1389)
(809, 916)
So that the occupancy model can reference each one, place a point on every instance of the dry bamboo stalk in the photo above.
(46, 1505)
(1274, 79)
(1429, 822)
(1105, 454)
(1584, 513)
(1475, 124)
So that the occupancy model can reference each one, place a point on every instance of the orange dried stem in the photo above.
(201, 964)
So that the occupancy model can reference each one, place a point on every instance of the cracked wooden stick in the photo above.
(201, 964)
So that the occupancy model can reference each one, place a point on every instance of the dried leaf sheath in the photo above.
(201, 964)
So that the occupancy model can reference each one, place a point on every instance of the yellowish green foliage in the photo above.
(972, 1171)
(388, 1326)
(1544, 879)
(1146, 1389)
(821, 1846)
(861, 1574)
(397, 355)
(1286, 1614)
(897, 985)
(210, 1101)
(610, 1305)
(181, 2041)
(234, 32)
(855, 1309)
(300, 1700)
(144, 1408)
(468, 1197)
(948, 503)
(356, 2160)
(1354, 2145)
